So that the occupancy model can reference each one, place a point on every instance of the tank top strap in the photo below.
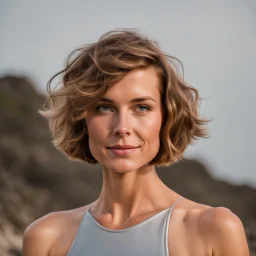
(167, 221)
(177, 200)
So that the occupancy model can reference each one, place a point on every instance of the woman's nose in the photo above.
(122, 124)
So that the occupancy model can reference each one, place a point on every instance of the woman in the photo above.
(121, 104)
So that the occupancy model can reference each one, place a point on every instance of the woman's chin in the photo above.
(122, 167)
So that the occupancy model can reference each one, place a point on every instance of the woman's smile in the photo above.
(122, 152)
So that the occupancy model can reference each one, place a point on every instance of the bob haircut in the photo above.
(93, 68)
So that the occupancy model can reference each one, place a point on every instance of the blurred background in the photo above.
(215, 41)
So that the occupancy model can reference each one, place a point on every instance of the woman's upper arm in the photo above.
(226, 233)
(39, 236)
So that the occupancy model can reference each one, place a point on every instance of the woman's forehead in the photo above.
(137, 84)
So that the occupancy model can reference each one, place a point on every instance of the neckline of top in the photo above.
(134, 226)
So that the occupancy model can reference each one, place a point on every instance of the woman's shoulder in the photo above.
(44, 235)
(218, 227)
(207, 216)
(224, 230)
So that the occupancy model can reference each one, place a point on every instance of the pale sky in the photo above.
(215, 40)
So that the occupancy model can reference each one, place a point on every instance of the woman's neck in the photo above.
(124, 195)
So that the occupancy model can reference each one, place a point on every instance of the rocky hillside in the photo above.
(36, 179)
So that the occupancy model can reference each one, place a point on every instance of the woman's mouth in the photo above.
(122, 152)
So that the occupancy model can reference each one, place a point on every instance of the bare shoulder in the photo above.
(224, 231)
(185, 225)
(43, 236)
(206, 230)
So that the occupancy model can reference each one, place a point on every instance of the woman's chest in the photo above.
(163, 235)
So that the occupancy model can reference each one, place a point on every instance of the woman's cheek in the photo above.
(151, 124)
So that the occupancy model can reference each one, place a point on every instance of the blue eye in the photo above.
(99, 107)
(142, 106)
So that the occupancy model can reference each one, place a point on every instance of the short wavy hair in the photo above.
(92, 69)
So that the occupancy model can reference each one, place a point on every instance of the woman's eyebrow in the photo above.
(131, 101)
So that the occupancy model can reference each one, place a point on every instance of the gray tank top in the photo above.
(148, 237)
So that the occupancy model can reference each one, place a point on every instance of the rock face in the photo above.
(35, 178)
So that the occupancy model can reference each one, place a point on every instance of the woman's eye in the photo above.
(102, 107)
(142, 106)
(99, 107)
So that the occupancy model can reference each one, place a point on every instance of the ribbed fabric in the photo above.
(149, 237)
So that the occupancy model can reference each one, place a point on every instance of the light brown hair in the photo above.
(93, 68)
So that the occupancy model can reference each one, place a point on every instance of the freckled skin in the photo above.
(127, 123)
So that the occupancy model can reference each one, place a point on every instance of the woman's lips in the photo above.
(122, 152)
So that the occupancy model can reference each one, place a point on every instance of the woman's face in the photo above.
(123, 121)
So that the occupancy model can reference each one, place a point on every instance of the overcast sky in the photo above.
(215, 40)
